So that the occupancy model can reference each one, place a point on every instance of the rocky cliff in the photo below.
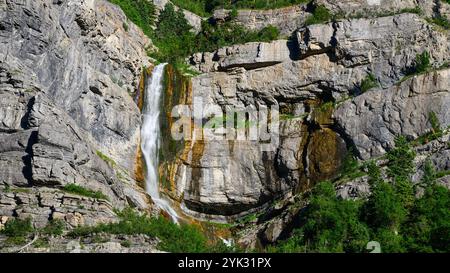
(315, 81)
(68, 70)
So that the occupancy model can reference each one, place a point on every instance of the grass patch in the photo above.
(174, 238)
(441, 21)
(106, 158)
(41, 243)
(17, 231)
(442, 173)
(368, 83)
(78, 190)
(54, 227)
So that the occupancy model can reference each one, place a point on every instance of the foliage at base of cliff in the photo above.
(391, 215)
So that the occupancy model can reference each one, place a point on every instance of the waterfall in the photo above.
(151, 138)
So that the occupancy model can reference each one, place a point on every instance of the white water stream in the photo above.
(151, 138)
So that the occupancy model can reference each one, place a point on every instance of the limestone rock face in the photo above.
(250, 56)
(316, 85)
(373, 119)
(286, 19)
(387, 45)
(368, 7)
(66, 115)
(79, 54)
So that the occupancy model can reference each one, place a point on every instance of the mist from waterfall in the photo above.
(151, 137)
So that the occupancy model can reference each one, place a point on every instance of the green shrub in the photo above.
(78, 190)
(350, 166)
(54, 227)
(215, 36)
(368, 83)
(428, 227)
(140, 12)
(173, 35)
(400, 168)
(441, 21)
(174, 238)
(422, 63)
(374, 173)
(329, 225)
(268, 34)
(384, 209)
(18, 228)
(319, 15)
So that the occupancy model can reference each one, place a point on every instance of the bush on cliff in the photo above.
(140, 12)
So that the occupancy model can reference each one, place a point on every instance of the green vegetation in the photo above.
(401, 159)
(173, 36)
(400, 168)
(176, 41)
(368, 83)
(435, 133)
(350, 168)
(421, 65)
(205, 8)
(434, 121)
(428, 226)
(107, 159)
(328, 225)
(422, 62)
(78, 190)
(140, 12)
(441, 21)
(215, 36)
(319, 15)
(17, 230)
(388, 216)
(174, 238)
(54, 227)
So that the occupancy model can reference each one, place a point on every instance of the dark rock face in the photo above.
(66, 71)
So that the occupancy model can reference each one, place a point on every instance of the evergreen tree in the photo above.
(429, 174)
(173, 34)
(400, 168)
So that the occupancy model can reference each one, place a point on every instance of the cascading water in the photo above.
(151, 137)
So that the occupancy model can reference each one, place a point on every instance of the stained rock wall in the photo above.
(318, 91)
